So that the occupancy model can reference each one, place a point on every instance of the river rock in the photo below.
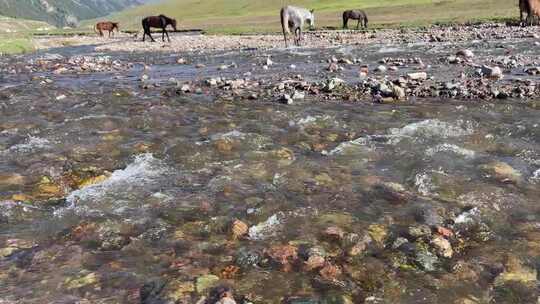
(419, 231)
(226, 300)
(82, 281)
(516, 271)
(398, 92)
(14, 179)
(185, 88)
(333, 83)
(533, 71)
(298, 95)
(426, 260)
(378, 233)
(492, 72)
(178, 290)
(333, 67)
(204, 283)
(465, 53)
(334, 233)
(381, 69)
(330, 272)
(286, 99)
(417, 76)
(502, 172)
(284, 255)
(443, 246)
(239, 229)
(337, 298)
(246, 258)
(314, 262)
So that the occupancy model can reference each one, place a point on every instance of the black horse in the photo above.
(161, 22)
(359, 15)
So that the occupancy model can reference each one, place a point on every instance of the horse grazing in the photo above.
(532, 8)
(106, 26)
(355, 15)
(161, 22)
(293, 19)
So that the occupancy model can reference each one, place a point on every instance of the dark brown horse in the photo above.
(106, 26)
(531, 8)
(161, 22)
(355, 15)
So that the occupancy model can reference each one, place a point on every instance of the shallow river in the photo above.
(111, 193)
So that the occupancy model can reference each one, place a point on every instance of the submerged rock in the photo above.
(246, 258)
(239, 229)
(503, 172)
(465, 53)
(443, 246)
(205, 283)
(284, 255)
(516, 271)
(427, 260)
(265, 229)
(492, 72)
(83, 281)
(378, 233)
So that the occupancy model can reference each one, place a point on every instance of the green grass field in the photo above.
(261, 16)
(15, 34)
(241, 16)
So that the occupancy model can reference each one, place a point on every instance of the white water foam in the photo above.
(430, 128)
(359, 142)
(31, 144)
(229, 135)
(267, 228)
(434, 128)
(450, 148)
(144, 169)
(424, 183)
(535, 178)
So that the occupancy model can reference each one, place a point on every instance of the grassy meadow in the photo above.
(241, 16)
(261, 16)
(16, 34)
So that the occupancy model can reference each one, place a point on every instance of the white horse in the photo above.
(293, 19)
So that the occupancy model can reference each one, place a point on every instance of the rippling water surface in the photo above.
(116, 194)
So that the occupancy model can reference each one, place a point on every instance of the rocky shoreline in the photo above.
(450, 69)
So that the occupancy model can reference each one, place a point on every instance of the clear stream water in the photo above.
(174, 171)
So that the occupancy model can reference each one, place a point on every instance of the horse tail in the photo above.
(345, 18)
(96, 28)
(284, 24)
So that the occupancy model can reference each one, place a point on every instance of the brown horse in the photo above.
(355, 15)
(106, 26)
(161, 22)
(532, 8)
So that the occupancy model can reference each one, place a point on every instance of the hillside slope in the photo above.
(63, 12)
(262, 15)
(16, 25)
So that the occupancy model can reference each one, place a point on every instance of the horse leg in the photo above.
(345, 21)
(167, 33)
(150, 35)
(358, 24)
